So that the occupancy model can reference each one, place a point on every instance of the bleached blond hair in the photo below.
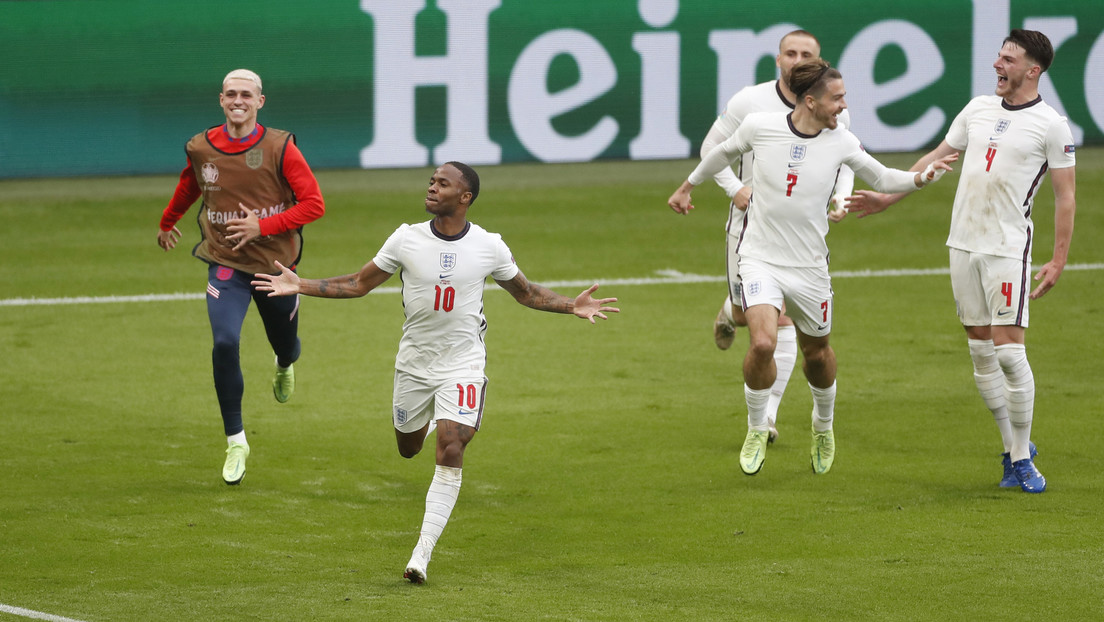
(243, 74)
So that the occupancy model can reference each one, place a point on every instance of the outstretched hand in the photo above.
(867, 202)
(936, 169)
(284, 284)
(589, 308)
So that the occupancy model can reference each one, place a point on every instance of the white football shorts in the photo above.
(417, 401)
(806, 292)
(990, 290)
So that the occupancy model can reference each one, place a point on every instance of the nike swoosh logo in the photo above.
(445, 276)
(1003, 313)
(466, 412)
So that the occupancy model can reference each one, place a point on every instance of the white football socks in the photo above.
(1019, 385)
(757, 407)
(824, 406)
(440, 500)
(785, 357)
(237, 438)
(990, 382)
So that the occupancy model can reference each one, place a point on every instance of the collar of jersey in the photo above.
(222, 140)
(449, 238)
(1007, 106)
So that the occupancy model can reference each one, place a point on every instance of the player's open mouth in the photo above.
(1001, 80)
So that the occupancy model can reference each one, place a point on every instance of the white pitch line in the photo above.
(664, 277)
(35, 615)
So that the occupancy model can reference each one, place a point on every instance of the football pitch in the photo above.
(604, 483)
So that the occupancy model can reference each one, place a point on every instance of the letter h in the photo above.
(398, 72)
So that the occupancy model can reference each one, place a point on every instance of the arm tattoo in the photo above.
(544, 299)
(336, 288)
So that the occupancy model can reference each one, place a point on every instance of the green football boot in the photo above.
(754, 452)
(283, 383)
(823, 451)
(234, 469)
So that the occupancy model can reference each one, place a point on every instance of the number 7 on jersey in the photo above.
(791, 181)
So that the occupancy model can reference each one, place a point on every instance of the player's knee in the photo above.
(818, 357)
(225, 346)
(450, 453)
(409, 450)
(761, 347)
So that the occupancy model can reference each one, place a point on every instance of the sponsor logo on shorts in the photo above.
(212, 291)
(1003, 312)
(754, 288)
(223, 273)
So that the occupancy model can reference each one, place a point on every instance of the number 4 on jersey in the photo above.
(990, 153)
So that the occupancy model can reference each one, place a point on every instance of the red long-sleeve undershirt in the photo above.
(295, 170)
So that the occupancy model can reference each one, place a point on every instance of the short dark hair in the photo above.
(470, 177)
(809, 77)
(798, 33)
(1035, 44)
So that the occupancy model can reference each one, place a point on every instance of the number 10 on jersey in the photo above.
(444, 298)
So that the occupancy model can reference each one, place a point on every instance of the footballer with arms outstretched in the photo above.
(772, 96)
(783, 254)
(439, 376)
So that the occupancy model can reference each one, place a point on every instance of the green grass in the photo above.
(604, 484)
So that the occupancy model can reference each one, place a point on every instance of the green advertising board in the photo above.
(99, 87)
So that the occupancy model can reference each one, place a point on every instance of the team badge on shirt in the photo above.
(254, 158)
(210, 172)
(1001, 126)
(448, 261)
(797, 152)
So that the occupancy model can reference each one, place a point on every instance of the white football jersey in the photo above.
(442, 289)
(793, 178)
(763, 97)
(1008, 150)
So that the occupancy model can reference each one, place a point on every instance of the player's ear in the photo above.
(466, 198)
